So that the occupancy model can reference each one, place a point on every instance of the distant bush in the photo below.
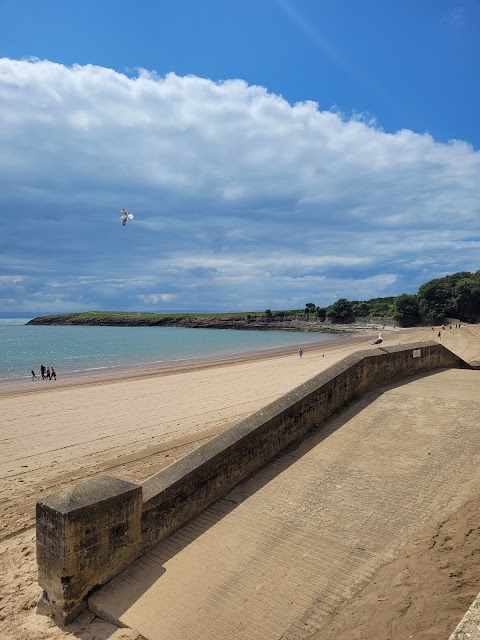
(407, 312)
(340, 311)
(361, 309)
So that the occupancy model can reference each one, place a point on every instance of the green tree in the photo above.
(360, 309)
(467, 299)
(447, 296)
(310, 307)
(435, 299)
(340, 311)
(382, 306)
(407, 312)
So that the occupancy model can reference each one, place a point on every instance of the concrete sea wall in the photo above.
(93, 530)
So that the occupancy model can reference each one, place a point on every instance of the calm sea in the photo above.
(86, 350)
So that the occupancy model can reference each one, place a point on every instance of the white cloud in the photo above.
(155, 298)
(240, 198)
(10, 281)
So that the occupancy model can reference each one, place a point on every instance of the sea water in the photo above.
(83, 350)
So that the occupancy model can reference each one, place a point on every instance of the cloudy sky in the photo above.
(273, 152)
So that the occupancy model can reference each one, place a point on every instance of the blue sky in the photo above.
(274, 152)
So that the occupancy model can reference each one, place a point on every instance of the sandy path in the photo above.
(55, 433)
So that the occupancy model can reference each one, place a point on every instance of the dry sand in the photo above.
(131, 426)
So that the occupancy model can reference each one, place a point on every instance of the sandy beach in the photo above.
(133, 424)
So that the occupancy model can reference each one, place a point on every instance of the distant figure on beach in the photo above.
(48, 373)
(300, 352)
(53, 374)
(42, 371)
(439, 335)
(34, 377)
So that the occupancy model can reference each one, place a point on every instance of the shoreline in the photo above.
(149, 370)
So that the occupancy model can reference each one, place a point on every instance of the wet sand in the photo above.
(132, 425)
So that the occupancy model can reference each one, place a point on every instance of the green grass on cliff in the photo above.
(138, 316)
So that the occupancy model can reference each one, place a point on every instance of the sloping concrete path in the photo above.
(292, 543)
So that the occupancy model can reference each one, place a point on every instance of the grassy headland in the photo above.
(437, 301)
(255, 320)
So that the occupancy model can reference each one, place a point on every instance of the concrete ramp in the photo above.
(287, 547)
(230, 574)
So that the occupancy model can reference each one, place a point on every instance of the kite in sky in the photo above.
(126, 216)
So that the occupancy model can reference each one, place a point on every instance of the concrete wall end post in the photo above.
(86, 534)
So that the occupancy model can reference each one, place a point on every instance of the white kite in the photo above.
(126, 216)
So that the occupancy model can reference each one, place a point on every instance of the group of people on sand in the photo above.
(439, 334)
(47, 373)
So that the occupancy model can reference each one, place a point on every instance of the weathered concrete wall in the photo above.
(88, 534)
(182, 490)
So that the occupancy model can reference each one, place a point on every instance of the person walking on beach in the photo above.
(300, 352)
(42, 371)
(439, 336)
(53, 374)
(48, 373)
(34, 377)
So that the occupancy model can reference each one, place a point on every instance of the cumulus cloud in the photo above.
(241, 199)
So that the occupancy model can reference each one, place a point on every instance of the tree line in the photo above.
(453, 296)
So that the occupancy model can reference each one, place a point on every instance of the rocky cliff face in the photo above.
(192, 321)
(251, 323)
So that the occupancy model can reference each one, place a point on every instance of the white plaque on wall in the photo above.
(417, 353)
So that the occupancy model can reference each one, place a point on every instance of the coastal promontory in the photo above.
(258, 321)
